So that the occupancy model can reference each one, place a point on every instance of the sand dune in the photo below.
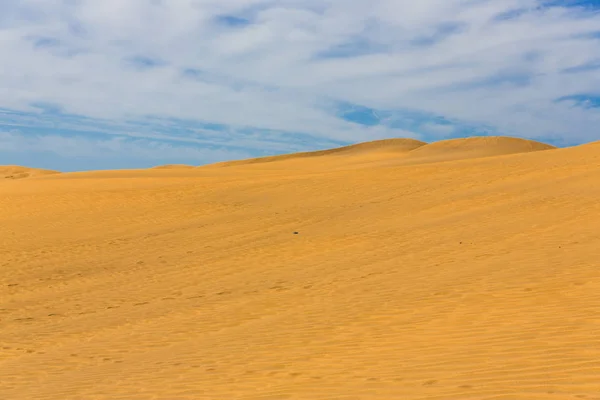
(18, 172)
(474, 279)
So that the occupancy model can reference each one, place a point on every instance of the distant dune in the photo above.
(410, 151)
(18, 172)
(463, 269)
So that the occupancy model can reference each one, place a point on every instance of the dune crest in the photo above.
(19, 172)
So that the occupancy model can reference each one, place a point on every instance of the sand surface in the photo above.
(447, 278)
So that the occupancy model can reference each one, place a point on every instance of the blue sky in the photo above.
(136, 83)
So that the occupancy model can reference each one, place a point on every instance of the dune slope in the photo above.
(476, 279)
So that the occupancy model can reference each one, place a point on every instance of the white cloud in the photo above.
(457, 59)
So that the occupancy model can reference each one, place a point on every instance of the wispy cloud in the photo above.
(260, 76)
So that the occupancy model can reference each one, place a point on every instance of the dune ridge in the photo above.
(468, 279)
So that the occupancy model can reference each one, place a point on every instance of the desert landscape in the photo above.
(394, 269)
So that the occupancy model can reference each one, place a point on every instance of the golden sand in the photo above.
(443, 271)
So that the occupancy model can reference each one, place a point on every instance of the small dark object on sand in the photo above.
(295, 233)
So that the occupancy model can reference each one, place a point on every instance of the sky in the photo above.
(88, 84)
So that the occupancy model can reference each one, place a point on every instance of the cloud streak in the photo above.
(300, 74)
